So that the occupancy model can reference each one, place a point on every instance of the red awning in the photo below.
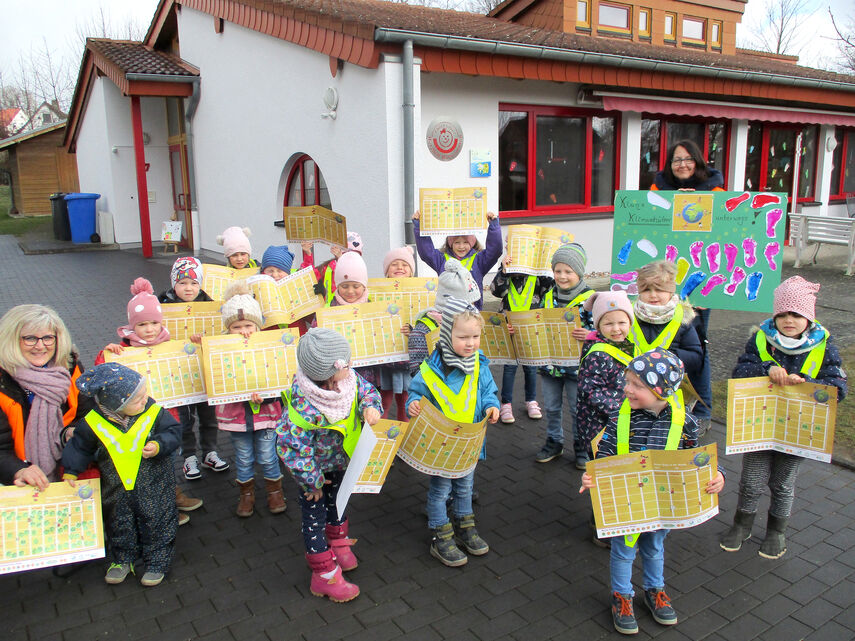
(718, 110)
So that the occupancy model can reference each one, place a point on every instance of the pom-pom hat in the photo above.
(234, 240)
(239, 305)
(110, 384)
(354, 242)
(796, 295)
(601, 303)
(456, 282)
(186, 267)
(321, 353)
(660, 370)
(144, 305)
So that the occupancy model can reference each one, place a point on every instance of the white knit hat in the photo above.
(456, 282)
(240, 304)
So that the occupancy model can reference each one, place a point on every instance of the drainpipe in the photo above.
(409, 160)
(189, 112)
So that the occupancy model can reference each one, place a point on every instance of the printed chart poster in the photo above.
(173, 371)
(60, 525)
(727, 246)
(287, 300)
(452, 212)
(795, 419)
(315, 224)
(653, 489)
(372, 329)
(218, 278)
(544, 336)
(375, 451)
(235, 366)
(182, 320)
(496, 341)
(436, 445)
(412, 295)
(531, 248)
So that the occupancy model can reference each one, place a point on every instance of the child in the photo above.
(277, 261)
(790, 348)
(519, 292)
(131, 438)
(652, 409)
(454, 369)
(568, 270)
(326, 270)
(466, 249)
(315, 438)
(186, 278)
(251, 423)
(236, 248)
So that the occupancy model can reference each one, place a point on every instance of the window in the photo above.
(843, 164)
(306, 185)
(555, 160)
(657, 136)
(694, 30)
(670, 31)
(616, 18)
(715, 33)
(583, 14)
(644, 23)
(770, 159)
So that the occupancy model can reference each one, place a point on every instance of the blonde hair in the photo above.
(660, 274)
(35, 317)
(468, 314)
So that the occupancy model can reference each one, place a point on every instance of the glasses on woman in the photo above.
(31, 341)
(682, 161)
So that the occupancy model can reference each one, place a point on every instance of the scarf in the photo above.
(453, 307)
(50, 387)
(810, 338)
(564, 296)
(126, 332)
(361, 299)
(121, 420)
(656, 314)
(333, 404)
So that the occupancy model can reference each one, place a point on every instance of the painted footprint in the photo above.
(647, 247)
(628, 277)
(712, 283)
(670, 253)
(631, 289)
(761, 200)
(770, 252)
(695, 250)
(752, 285)
(736, 278)
(772, 218)
(749, 246)
(658, 201)
(623, 254)
(713, 252)
(692, 283)
(732, 203)
(731, 251)
(682, 269)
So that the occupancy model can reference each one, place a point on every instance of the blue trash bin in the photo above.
(81, 216)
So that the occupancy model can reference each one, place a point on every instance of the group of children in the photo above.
(625, 392)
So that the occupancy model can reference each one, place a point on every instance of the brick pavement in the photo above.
(245, 579)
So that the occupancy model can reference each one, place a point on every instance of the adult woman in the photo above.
(687, 170)
(38, 397)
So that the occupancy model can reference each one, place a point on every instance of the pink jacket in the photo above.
(238, 417)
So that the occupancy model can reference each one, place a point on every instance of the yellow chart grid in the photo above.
(315, 224)
(496, 341)
(372, 329)
(182, 320)
(217, 279)
(531, 248)
(412, 295)
(544, 336)
(389, 435)
(457, 211)
(288, 300)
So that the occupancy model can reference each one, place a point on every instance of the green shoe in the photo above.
(468, 536)
(118, 572)
(443, 547)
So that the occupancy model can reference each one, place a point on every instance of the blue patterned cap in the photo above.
(111, 384)
(660, 370)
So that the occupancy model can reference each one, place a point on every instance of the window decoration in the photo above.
(657, 136)
(770, 159)
(843, 164)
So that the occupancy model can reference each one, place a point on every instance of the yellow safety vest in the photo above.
(459, 406)
(812, 363)
(665, 338)
(611, 350)
(428, 322)
(520, 301)
(328, 285)
(350, 427)
(466, 262)
(124, 448)
(549, 303)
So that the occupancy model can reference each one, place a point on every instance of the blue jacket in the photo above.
(488, 393)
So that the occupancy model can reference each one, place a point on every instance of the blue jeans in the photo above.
(256, 447)
(554, 391)
(701, 380)
(438, 492)
(508, 376)
(651, 545)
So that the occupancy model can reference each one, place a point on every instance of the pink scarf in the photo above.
(361, 299)
(127, 332)
(334, 404)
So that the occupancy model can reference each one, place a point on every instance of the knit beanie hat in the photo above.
(234, 240)
(660, 370)
(111, 384)
(144, 305)
(796, 295)
(573, 255)
(351, 268)
(186, 267)
(456, 282)
(470, 238)
(354, 242)
(321, 353)
(601, 303)
(240, 304)
(404, 253)
(277, 256)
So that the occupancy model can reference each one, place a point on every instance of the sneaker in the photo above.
(550, 450)
(581, 462)
(622, 614)
(191, 468)
(183, 519)
(186, 503)
(506, 413)
(533, 410)
(660, 606)
(703, 426)
(151, 579)
(118, 572)
(214, 462)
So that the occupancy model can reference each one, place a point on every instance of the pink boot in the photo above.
(340, 545)
(327, 579)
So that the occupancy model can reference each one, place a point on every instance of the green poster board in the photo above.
(727, 246)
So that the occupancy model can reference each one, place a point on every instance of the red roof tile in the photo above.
(134, 57)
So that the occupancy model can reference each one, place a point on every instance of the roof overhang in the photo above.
(14, 140)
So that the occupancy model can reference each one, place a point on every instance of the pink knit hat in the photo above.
(234, 240)
(351, 268)
(601, 303)
(401, 253)
(354, 242)
(144, 305)
(796, 295)
(470, 238)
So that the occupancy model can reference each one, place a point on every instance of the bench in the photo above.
(831, 230)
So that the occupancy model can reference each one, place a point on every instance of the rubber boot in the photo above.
(340, 545)
(327, 579)
(740, 531)
(443, 547)
(275, 497)
(246, 505)
(467, 535)
(774, 546)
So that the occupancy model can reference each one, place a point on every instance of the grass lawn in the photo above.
(845, 427)
(17, 226)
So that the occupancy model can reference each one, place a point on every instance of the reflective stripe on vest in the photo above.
(665, 337)
(350, 428)
(620, 356)
(549, 303)
(812, 363)
(125, 448)
(328, 285)
(678, 420)
(459, 406)
(466, 262)
(428, 322)
(521, 301)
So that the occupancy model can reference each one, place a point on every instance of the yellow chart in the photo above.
(57, 526)
(795, 419)
(452, 212)
(388, 436)
(182, 320)
(496, 342)
(173, 371)
(412, 295)
(544, 336)
(315, 224)
(218, 278)
(653, 489)
(531, 248)
(288, 300)
(372, 329)
(235, 366)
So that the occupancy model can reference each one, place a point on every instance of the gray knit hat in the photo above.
(572, 255)
(111, 384)
(321, 353)
(240, 304)
(456, 282)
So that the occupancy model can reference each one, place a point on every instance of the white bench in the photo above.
(832, 230)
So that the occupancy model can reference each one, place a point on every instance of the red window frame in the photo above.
(533, 112)
(299, 165)
(764, 158)
(837, 192)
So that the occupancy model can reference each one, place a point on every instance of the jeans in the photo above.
(318, 514)
(701, 380)
(258, 446)
(438, 492)
(508, 376)
(651, 545)
(554, 391)
(207, 428)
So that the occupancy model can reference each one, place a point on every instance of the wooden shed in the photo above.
(38, 165)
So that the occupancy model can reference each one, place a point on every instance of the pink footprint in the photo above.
(628, 277)
(735, 279)
(631, 289)
(731, 251)
(670, 253)
(770, 252)
(749, 246)
(713, 282)
(695, 250)
(772, 218)
(713, 252)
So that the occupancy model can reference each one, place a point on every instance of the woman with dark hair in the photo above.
(687, 170)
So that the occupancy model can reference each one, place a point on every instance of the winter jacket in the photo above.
(686, 344)
(647, 431)
(714, 182)
(600, 391)
(238, 417)
(500, 286)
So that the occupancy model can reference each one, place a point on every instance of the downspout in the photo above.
(409, 160)
(189, 111)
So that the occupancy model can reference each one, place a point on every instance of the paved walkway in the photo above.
(245, 579)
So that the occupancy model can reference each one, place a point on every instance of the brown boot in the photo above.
(186, 503)
(246, 505)
(275, 497)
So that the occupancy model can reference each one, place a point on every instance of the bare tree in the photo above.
(845, 43)
(779, 29)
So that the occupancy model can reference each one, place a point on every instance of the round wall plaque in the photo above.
(444, 138)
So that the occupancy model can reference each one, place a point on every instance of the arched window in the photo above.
(306, 185)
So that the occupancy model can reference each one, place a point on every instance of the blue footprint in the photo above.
(692, 283)
(752, 284)
(623, 254)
